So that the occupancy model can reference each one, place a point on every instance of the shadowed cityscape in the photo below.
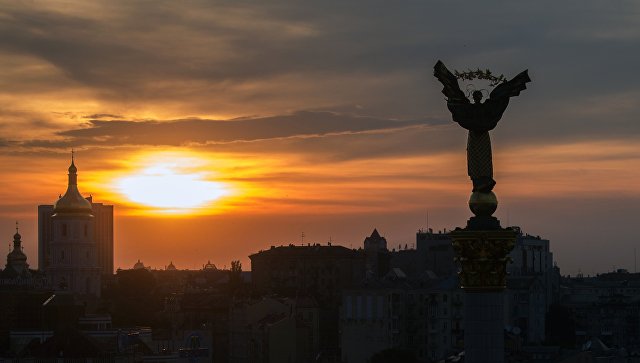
(303, 302)
(319, 182)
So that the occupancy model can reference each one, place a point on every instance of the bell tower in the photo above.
(73, 263)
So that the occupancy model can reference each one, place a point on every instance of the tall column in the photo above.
(482, 249)
(483, 245)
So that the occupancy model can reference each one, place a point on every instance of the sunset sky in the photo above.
(219, 128)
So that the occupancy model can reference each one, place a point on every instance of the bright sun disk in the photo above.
(165, 186)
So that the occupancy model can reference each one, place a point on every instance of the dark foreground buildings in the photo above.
(300, 303)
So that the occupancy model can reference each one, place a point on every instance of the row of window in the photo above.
(364, 309)
(62, 256)
(64, 230)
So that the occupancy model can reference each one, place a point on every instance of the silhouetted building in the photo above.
(433, 252)
(317, 270)
(274, 330)
(102, 227)
(377, 255)
(314, 270)
(532, 286)
(16, 273)
(421, 316)
(73, 254)
(103, 234)
(606, 307)
(16, 259)
(437, 250)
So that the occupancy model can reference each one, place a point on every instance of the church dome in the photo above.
(210, 266)
(138, 265)
(16, 256)
(72, 202)
(171, 267)
(16, 259)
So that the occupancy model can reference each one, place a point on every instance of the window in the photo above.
(85, 230)
(64, 230)
(61, 255)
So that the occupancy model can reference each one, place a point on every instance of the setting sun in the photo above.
(170, 187)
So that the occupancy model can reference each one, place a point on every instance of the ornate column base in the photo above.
(483, 256)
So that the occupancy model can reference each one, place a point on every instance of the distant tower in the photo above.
(16, 259)
(73, 261)
(102, 235)
(375, 241)
(139, 265)
(377, 255)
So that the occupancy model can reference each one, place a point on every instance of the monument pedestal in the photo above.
(484, 327)
(483, 258)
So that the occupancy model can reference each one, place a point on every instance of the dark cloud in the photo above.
(196, 132)
(99, 116)
(271, 58)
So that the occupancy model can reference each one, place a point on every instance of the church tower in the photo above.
(16, 260)
(73, 264)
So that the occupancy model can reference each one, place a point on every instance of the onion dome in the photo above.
(138, 265)
(171, 267)
(72, 202)
(16, 258)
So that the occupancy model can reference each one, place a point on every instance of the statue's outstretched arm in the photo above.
(450, 82)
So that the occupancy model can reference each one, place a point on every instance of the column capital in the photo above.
(483, 257)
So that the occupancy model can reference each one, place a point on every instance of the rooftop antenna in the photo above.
(302, 235)
(427, 220)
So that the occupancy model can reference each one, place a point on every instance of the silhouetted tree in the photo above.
(235, 274)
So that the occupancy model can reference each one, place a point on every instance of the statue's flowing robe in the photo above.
(479, 162)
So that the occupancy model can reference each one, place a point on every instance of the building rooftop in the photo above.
(314, 249)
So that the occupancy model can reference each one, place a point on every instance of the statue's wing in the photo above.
(450, 82)
(510, 88)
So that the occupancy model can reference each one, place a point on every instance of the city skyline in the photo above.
(326, 120)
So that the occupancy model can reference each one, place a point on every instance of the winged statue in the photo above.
(479, 118)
